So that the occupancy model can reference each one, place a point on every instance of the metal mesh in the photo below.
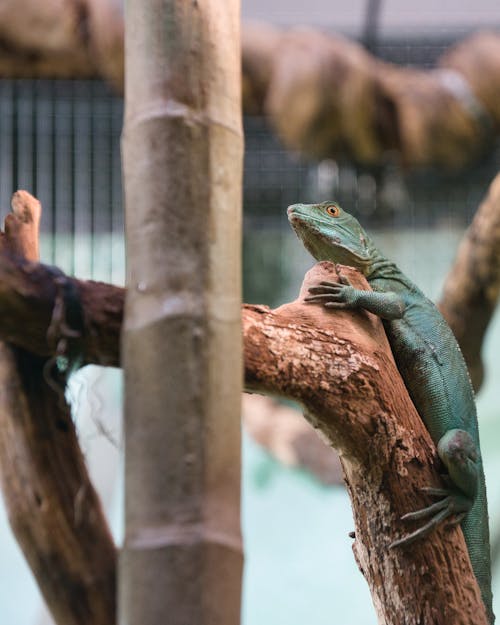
(60, 140)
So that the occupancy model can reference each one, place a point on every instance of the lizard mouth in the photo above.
(326, 241)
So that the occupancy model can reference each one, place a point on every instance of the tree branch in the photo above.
(53, 508)
(62, 39)
(324, 95)
(471, 290)
(27, 296)
(340, 368)
(327, 97)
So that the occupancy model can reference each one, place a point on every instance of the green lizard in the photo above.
(431, 365)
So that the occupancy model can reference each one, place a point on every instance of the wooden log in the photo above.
(471, 290)
(52, 506)
(339, 367)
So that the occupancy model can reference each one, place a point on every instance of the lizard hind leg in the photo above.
(459, 454)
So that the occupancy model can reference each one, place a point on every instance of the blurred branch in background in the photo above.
(62, 39)
(325, 95)
(472, 287)
(329, 98)
(287, 436)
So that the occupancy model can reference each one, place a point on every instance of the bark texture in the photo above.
(182, 148)
(28, 293)
(52, 506)
(340, 367)
(471, 290)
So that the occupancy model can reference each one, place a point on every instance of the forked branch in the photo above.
(340, 368)
(53, 508)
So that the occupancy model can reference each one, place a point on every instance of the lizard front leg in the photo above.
(456, 448)
(342, 294)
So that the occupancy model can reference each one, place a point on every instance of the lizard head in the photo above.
(329, 233)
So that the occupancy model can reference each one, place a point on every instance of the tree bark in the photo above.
(340, 367)
(182, 149)
(470, 293)
(52, 506)
(28, 292)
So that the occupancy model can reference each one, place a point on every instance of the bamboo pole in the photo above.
(182, 153)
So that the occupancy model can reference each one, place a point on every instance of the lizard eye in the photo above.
(333, 210)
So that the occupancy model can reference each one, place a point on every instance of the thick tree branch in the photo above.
(27, 296)
(472, 287)
(324, 95)
(328, 98)
(53, 508)
(340, 368)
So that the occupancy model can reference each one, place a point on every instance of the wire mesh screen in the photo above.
(384, 195)
(60, 141)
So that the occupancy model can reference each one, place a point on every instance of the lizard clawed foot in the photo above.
(454, 504)
(332, 294)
